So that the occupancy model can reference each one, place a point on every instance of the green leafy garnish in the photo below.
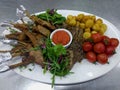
(30, 69)
(52, 16)
(56, 60)
(12, 30)
(22, 68)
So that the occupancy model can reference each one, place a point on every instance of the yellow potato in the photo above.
(93, 18)
(103, 29)
(86, 35)
(96, 27)
(83, 19)
(104, 26)
(93, 31)
(69, 17)
(82, 25)
(74, 17)
(79, 17)
(72, 22)
(87, 30)
(99, 21)
(89, 23)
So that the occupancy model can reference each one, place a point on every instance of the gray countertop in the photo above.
(108, 9)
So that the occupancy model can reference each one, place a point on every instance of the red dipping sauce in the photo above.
(61, 37)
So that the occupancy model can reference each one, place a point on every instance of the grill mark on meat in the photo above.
(76, 46)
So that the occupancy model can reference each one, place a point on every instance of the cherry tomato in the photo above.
(87, 46)
(91, 56)
(110, 50)
(102, 58)
(96, 37)
(106, 40)
(114, 42)
(99, 47)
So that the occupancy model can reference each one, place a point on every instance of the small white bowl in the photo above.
(61, 29)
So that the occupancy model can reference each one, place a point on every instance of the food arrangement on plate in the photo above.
(56, 42)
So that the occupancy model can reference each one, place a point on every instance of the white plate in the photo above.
(83, 71)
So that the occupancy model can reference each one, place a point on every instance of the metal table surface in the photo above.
(108, 9)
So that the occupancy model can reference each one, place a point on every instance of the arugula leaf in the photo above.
(52, 16)
(59, 50)
(56, 60)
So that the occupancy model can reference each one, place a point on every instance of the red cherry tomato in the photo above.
(102, 58)
(91, 56)
(96, 37)
(87, 46)
(110, 50)
(114, 42)
(99, 47)
(106, 40)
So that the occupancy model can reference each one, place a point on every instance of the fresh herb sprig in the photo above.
(12, 30)
(56, 60)
(52, 16)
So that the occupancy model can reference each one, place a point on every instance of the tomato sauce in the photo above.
(61, 37)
